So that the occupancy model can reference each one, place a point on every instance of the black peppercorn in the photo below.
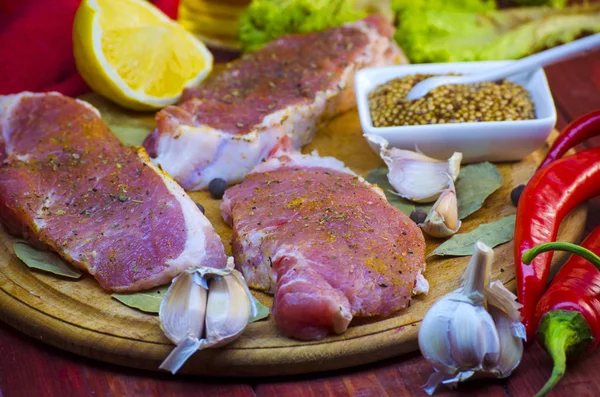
(418, 216)
(516, 194)
(217, 188)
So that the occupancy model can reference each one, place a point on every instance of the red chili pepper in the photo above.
(169, 7)
(569, 311)
(549, 196)
(585, 127)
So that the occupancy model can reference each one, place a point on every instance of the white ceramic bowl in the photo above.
(491, 141)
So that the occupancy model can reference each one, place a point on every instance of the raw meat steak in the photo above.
(237, 117)
(67, 184)
(325, 242)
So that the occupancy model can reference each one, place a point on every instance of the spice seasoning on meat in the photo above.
(488, 101)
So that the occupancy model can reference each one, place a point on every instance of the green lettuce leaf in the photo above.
(266, 20)
(428, 34)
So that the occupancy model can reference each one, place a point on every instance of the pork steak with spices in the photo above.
(325, 242)
(238, 116)
(68, 185)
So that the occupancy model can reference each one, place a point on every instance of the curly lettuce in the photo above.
(266, 20)
(459, 5)
(551, 3)
(449, 35)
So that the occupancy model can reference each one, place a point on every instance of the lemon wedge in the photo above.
(133, 54)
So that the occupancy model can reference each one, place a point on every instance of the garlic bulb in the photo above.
(415, 176)
(461, 338)
(204, 308)
(229, 309)
(442, 220)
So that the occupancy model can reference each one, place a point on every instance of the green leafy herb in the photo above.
(492, 234)
(262, 311)
(266, 20)
(475, 183)
(447, 31)
(44, 260)
(146, 301)
(130, 127)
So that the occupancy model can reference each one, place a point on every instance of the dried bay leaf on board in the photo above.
(492, 234)
(129, 126)
(44, 260)
(147, 301)
(262, 311)
(475, 183)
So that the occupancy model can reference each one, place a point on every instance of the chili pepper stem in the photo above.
(563, 333)
(531, 253)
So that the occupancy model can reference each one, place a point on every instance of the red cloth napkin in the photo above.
(36, 51)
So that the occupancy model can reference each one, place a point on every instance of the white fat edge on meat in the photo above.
(7, 104)
(202, 153)
(182, 159)
(197, 227)
(288, 159)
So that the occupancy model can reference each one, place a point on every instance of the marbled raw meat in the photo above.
(68, 185)
(325, 242)
(238, 117)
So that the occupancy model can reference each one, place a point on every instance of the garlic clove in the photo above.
(415, 176)
(434, 341)
(475, 343)
(511, 346)
(181, 314)
(183, 308)
(204, 307)
(228, 310)
(442, 220)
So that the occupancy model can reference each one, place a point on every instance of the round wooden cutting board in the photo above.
(80, 317)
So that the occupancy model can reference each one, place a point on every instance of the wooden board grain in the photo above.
(79, 316)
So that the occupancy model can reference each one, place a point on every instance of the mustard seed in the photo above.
(488, 101)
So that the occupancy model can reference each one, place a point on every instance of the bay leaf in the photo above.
(492, 234)
(129, 126)
(475, 183)
(262, 311)
(147, 301)
(44, 260)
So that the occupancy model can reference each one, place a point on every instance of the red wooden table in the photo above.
(31, 368)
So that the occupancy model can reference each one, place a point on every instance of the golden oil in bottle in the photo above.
(213, 21)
